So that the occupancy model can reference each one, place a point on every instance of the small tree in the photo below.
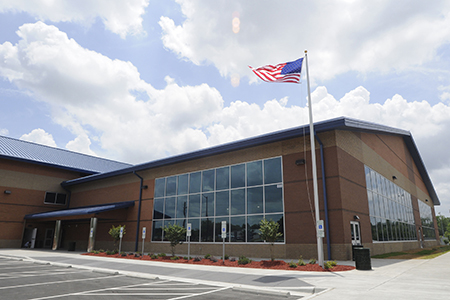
(175, 234)
(269, 233)
(114, 232)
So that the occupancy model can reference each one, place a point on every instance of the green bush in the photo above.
(109, 252)
(153, 256)
(301, 262)
(312, 261)
(186, 258)
(333, 263)
(207, 256)
(292, 265)
(175, 234)
(101, 251)
(327, 265)
(174, 257)
(162, 254)
(244, 260)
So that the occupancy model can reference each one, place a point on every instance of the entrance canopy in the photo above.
(80, 211)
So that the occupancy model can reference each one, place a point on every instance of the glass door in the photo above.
(356, 233)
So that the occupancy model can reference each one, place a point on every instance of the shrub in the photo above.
(186, 258)
(109, 252)
(197, 259)
(207, 256)
(244, 260)
(174, 257)
(213, 259)
(312, 261)
(269, 231)
(162, 254)
(233, 259)
(101, 251)
(227, 256)
(327, 265)
(114, 232)
(333, 263)
(153, 256)
(292, 265)
(301, 262)
(175, 234)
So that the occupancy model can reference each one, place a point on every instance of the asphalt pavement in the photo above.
(388, 279)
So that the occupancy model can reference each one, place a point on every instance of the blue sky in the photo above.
(139, 80)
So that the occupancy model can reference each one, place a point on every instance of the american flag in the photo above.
(285, 72)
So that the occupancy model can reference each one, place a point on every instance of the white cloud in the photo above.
(39, 136)
(4, 131)
(122, 17)
(98, 100)
(341, 36)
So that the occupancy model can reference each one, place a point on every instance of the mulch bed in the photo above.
(264, 264)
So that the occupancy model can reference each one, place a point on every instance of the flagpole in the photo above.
(314, 169)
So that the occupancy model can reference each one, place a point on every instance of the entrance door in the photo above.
(48, 238)
(356, 233)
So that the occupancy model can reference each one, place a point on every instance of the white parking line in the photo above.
(56, 282)
(87, 292)
(34, 275)
(201, 294)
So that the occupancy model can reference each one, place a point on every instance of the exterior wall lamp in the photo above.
(394, 177)
(300, 162)
(7, 192)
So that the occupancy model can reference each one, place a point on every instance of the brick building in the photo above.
(373, 188)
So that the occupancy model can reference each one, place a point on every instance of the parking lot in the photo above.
(21, 279)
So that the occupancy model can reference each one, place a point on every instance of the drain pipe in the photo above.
(325, 201)
(139, 212)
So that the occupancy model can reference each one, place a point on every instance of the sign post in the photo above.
(188, 234)
(224, 236)
(144, 230)
(120, 236)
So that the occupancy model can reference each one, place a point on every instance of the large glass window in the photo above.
(426, 218)
(390, 209)
(241, 194)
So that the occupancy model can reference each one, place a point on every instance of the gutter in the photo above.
(139, 212)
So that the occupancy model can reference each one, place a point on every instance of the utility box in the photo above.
(362, 259)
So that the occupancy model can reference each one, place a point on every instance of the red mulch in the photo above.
(265, 264)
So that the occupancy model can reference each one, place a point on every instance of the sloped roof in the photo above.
(341, 123)
(50, 156)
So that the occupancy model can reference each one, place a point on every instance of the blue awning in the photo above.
(79, 211)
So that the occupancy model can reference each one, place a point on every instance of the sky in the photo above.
(139, 80)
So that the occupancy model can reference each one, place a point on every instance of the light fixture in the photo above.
(394, 177)
(7, 192)
(144, 187)
(299, 162)
(356, 217)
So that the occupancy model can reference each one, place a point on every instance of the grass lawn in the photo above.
(427, 253)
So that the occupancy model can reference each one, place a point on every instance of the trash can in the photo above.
(362, 259)
(353, 250)
(72, 246)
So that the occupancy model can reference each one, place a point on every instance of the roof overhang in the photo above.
(79, 212)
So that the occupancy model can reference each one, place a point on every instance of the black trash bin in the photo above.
(362, 259)
(353, 250)
(72, 246)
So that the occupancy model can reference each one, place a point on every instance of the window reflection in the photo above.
(390, 209)
(241, 194)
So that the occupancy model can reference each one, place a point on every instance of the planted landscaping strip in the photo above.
(264, 264)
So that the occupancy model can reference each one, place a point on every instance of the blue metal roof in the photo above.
(79, 211)
(341, 123)
(31, 152)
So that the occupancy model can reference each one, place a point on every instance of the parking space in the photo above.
(34, 281)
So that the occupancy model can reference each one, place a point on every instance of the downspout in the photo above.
(139, 212)
(69, 194)
(325, 201)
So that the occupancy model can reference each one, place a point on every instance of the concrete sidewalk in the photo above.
(389, 279)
